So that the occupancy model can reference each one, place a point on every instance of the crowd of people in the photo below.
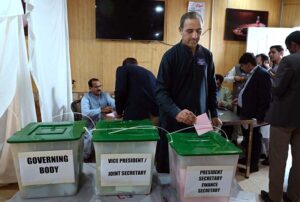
(265, 88)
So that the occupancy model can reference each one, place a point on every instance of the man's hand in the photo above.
(107, 109)
(216, 122)
(186, 116)
(234, 101)
(239, 78)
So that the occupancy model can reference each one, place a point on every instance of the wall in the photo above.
(100, 58)
(290, 13)
(91, 57)
(227, 53)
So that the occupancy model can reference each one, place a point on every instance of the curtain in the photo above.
(49, 58)
(17, 104)
(9, 43)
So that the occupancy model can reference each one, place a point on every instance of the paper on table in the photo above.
(203, 124)
(243, 196)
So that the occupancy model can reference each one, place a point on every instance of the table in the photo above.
(231, 119)
(86, 192)
(161, 191)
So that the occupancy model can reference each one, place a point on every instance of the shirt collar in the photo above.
(93, 95)
(253, 70)
(188, 49)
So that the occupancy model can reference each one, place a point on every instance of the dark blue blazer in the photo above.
(256, 97)
(135, 93)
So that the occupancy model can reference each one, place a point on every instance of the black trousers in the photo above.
(256, 144)
(228, 130)
(162, 154)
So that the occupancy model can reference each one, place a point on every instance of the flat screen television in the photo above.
(130, 19)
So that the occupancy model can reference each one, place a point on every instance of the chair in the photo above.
(76, 107)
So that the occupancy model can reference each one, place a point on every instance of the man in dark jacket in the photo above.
(186, 85)
(285, 125)
(254, 100)
(135, 91)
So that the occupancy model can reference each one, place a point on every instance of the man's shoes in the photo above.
(285, 197)
(265, 162)
(265, 196)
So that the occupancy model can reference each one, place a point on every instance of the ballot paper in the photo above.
(112, 115)
(203, 124)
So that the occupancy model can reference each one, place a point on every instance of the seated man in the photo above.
(224, 95)
(93, 104)
(96, 102)
(224, 99)
(135, 92)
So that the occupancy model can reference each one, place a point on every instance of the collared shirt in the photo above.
(237, 85)
(274, 68)
(224, 95)
(240, 101)
(91, 104)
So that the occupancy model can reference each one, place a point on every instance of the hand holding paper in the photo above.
(186, 116)
(203, 124)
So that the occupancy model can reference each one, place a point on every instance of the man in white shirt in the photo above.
(93, 104)
(238, 77)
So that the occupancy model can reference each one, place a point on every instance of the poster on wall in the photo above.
(198, 7)
(237, 22)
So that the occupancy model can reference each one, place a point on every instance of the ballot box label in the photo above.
(208, 181)
(125, 169)
(46, 167)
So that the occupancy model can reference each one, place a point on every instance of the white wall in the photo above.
(260, 39)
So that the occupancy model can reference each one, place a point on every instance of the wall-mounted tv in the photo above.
(130, 19)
